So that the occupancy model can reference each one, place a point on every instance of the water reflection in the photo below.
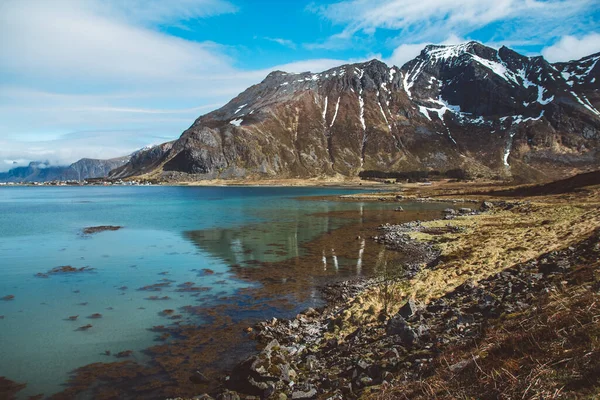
(282, 264)
(285, 260)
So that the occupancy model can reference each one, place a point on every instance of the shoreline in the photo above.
(349, 301)
(312, 329)
(191, 348)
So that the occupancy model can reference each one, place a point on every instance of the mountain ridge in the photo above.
(84, 168)
(494, 113)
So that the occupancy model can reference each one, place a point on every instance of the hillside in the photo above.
(82, 169)
(493, 113)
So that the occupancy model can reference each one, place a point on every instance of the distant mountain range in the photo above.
(82, 169)
(491, 113)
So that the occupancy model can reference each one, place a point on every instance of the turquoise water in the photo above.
(170, 234)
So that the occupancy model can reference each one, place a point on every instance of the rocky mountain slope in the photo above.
(493, 113)
(82, 169)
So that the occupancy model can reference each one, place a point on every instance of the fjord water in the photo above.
(204, 235)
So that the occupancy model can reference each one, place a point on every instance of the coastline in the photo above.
(356, 304)
(328, 353)
(280, 288)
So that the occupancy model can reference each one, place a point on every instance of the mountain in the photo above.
(82, 169)
(491, 113)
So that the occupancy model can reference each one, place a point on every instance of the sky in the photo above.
(102, 78)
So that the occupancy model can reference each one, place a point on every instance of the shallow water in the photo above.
(226, 242)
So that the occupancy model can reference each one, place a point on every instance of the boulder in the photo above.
(397, 326)
(308, 392)
(228, 395)
(486, 206)
(409, 309)
(258, 375)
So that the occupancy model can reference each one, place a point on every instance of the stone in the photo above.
(257, 375)
(465, 210)
(397, 326)
(309, 393)
(450, 211)
(228, 395)
(410, 308)
(486, 206)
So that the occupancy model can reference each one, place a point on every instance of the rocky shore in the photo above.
(312, 357)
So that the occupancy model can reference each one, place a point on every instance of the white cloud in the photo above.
(316, 65)
(283, 42)
(164, 12)
(70, 147)
(98, 65)
(101, 66)
(43, 39)
(431, 20)
(572, 48)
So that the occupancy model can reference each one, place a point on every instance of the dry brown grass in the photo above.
(550, 351)
(489, 243)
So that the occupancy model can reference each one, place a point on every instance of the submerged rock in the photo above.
(95, 229)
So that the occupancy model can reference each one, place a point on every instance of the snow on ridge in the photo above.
(392, 73)
(361, 105)
(540, 98)
(517, 119)
(236, 122)
(589, 106)
(445, 52)
(383, 113)
(463, 117)
(325, 108)
(578, 72)
(508, 147)
(240, 108)
(411, 76)
(337, 107)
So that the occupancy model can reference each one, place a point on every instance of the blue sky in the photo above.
(101, 78)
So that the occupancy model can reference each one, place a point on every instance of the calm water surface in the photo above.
(203, 235)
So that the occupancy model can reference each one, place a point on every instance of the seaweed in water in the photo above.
(84, 328)
(154, 298)
(123, 354)
(95, 229)
(65, 269)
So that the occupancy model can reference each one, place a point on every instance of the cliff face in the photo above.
(490, 112)
(82, 169)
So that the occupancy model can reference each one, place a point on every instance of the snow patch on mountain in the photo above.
(337, 107)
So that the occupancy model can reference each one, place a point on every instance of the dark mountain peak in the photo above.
(583, 74)
(276, 74)
(513, 59)
(464, 106)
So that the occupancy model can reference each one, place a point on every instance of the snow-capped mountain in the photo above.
(489, 112)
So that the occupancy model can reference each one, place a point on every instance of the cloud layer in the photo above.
(573, 48)
(100, 78)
